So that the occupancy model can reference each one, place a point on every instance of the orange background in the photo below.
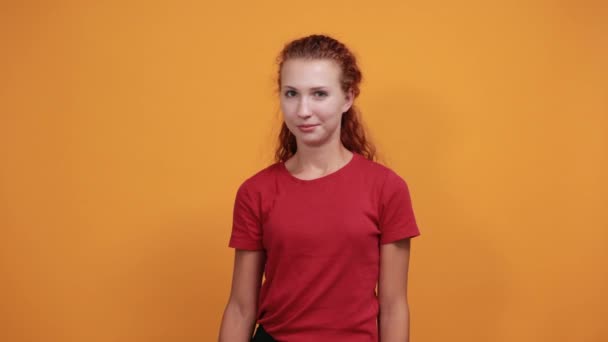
(125, 129)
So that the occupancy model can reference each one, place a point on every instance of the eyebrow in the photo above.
(313, 88)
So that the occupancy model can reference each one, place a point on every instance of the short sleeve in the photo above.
(246, 226)
(397, 219)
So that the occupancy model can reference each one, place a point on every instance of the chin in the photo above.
(313, 141)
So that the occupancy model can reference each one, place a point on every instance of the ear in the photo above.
(350, 98)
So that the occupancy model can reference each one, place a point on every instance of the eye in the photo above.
(321, 93)
(289, 93)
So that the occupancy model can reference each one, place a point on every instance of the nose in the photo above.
(303, 109)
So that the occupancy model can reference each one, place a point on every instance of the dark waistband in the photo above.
(262, 336)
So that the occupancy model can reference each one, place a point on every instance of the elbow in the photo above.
(394, 304)
(238, 323)
(246, 311)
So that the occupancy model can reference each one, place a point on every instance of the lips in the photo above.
(307, 128)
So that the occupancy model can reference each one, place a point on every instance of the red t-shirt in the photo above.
(322, 241)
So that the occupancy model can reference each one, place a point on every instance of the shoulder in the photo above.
(378, 171)
(386, 181)
(261, 179)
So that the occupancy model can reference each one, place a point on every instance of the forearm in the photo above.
(394, 322)
(237, 324)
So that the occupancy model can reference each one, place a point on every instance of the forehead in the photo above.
(304, 73)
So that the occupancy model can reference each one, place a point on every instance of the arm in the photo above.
(239, 316)
(394, 315)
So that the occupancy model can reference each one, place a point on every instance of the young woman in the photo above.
(325, 223)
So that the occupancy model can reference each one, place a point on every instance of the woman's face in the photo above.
(312, 100)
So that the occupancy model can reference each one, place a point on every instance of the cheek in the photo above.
(289, 114)
(286, 108)
(330, 112)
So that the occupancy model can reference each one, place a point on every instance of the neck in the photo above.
(321, 159)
